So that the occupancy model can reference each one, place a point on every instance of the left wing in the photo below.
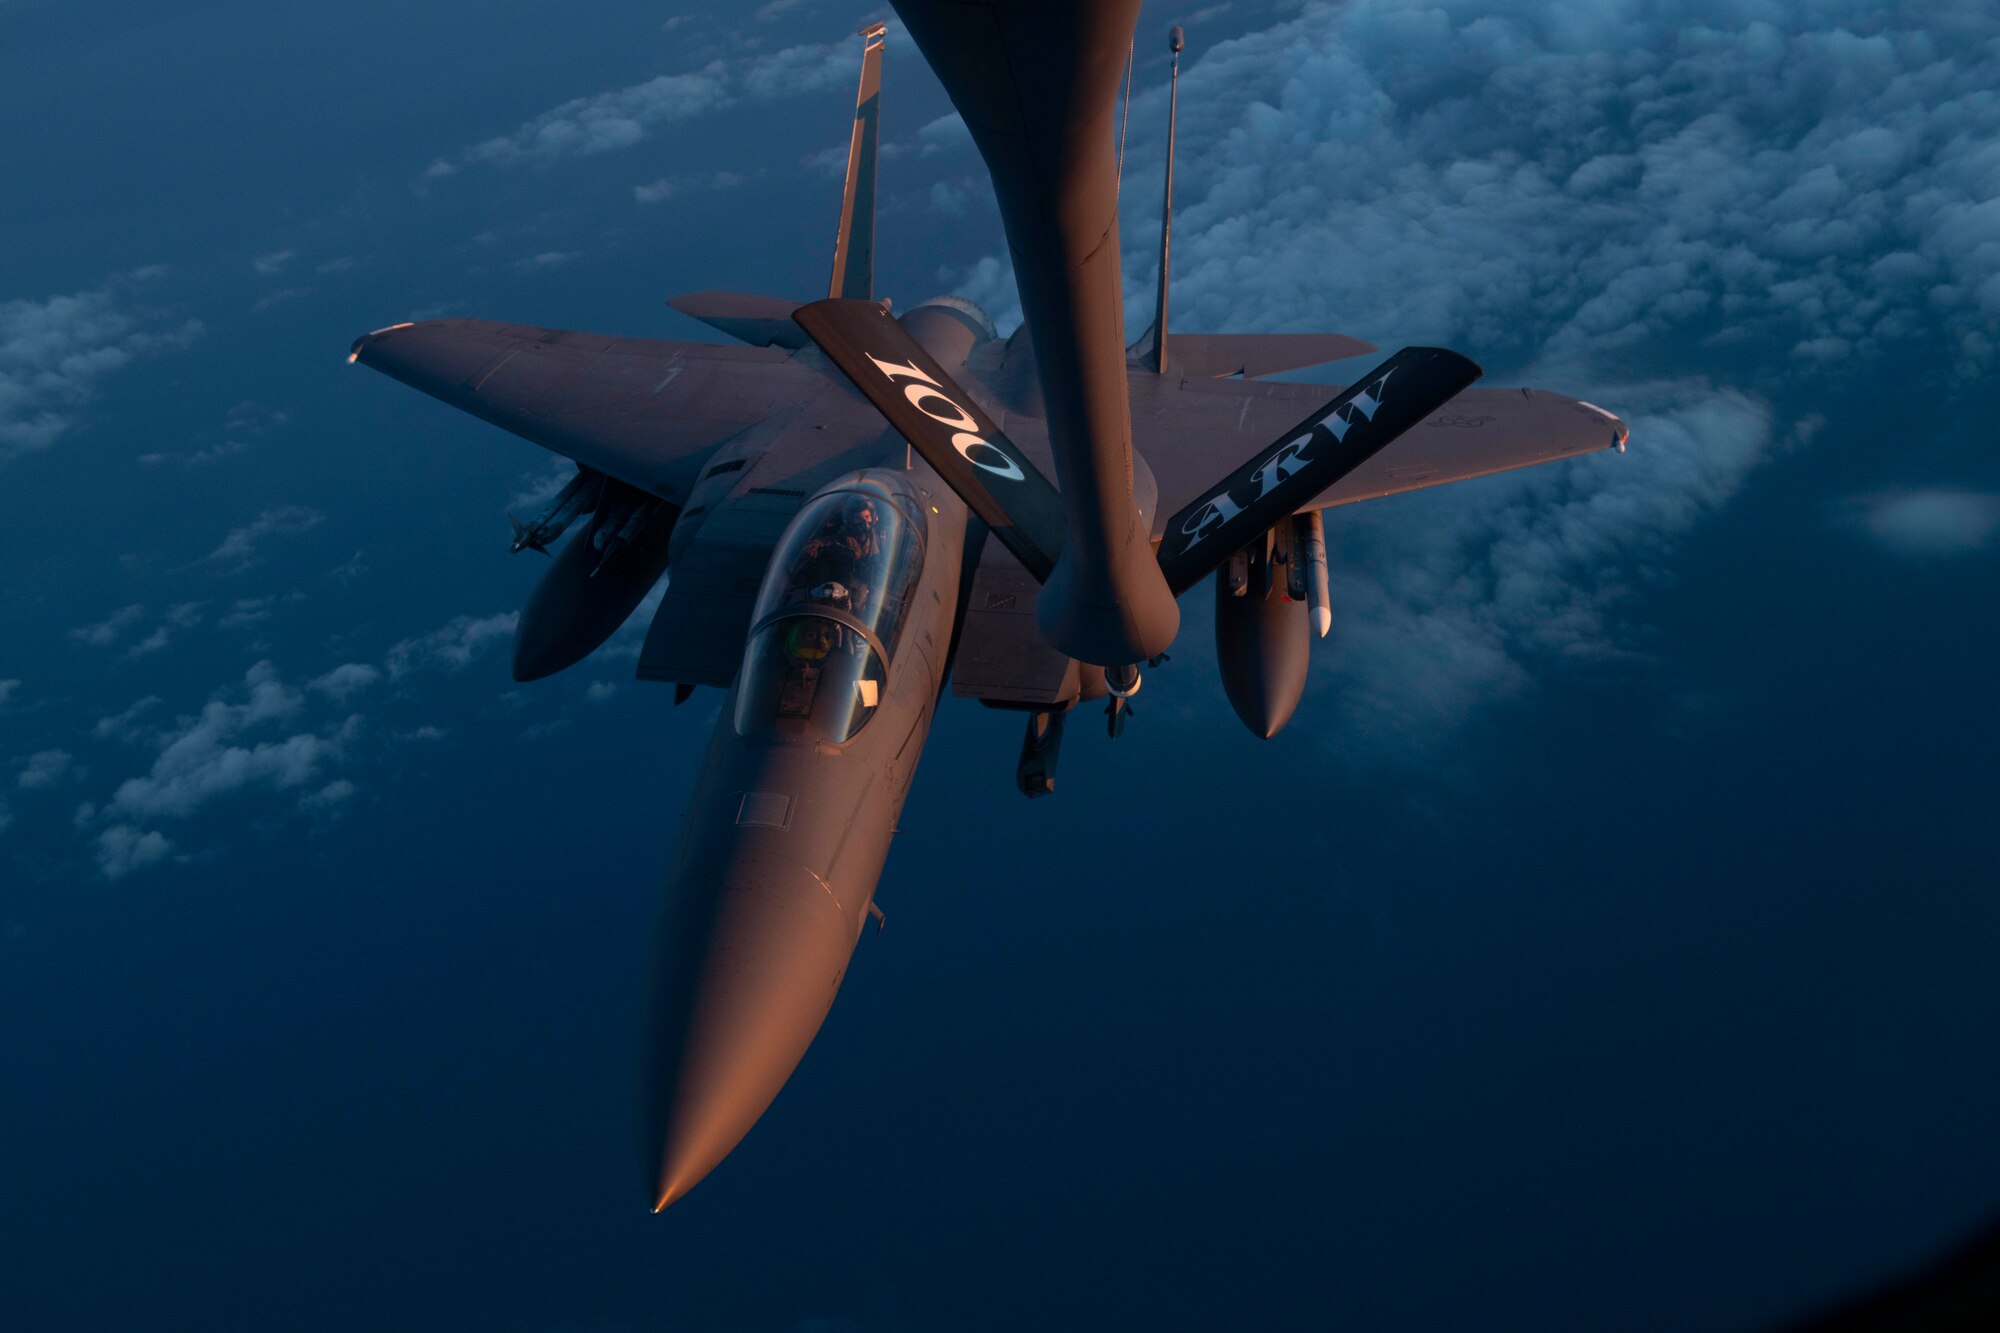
(645, 411)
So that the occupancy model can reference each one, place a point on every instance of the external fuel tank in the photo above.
(1262, 637)
(589, 591)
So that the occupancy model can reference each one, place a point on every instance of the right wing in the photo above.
(1190, 430)
(645, 411)
(1316, 454)
(1479, 433)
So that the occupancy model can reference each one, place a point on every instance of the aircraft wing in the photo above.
(1188, 430)
(645, 411)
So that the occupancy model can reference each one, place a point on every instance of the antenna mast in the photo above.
(1175, 41)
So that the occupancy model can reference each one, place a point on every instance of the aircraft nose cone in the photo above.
(750, 950)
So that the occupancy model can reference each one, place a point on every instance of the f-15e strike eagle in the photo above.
(856, 507)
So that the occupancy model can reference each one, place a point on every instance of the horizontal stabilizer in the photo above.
(761, 321)
(1342, 435)
(943, 423)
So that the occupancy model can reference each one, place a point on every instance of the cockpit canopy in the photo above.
(830, 614)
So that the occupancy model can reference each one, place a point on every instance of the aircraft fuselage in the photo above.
(796, 803)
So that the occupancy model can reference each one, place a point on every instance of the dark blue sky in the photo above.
(1608, 943)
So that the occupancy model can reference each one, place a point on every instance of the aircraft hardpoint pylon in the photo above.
(859, 509)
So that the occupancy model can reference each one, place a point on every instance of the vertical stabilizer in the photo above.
(1175, 41)
(854, 248)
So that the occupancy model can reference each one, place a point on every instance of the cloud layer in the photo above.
(623, 117)
(238, 551)
(54, 354)
(1931, 524)
(211, 756)
(1734, 195)
(453, 647)
(1577, 182)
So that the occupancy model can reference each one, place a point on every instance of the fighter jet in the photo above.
(858, 508)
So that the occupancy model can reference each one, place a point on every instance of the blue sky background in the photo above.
(1608, 943)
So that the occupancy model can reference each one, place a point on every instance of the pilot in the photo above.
(848, 531)
(809, 640)
(841, 551)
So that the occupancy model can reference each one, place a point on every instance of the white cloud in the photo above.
(1931, 524)
(1449, 599)
(354, 568)
(123, 848)
(1578, 183)
(238, 550)
(7, 688)
(247, 611)
(152, 643)
(954, 199)
(610, 120)
(125, 726)
(105, 632)
(345, 682)
(279, 297)
(599, 691)
(453, 647)
(202, 759)
(667, 187)
(54, 353)
(182, 615)
(548, 259)
(623, 117)
(333, 794)
(6, 815)
(246, 421)
(538, 490)
(944, 135)
(272, 264)
(1569, 189)
(49, 768)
